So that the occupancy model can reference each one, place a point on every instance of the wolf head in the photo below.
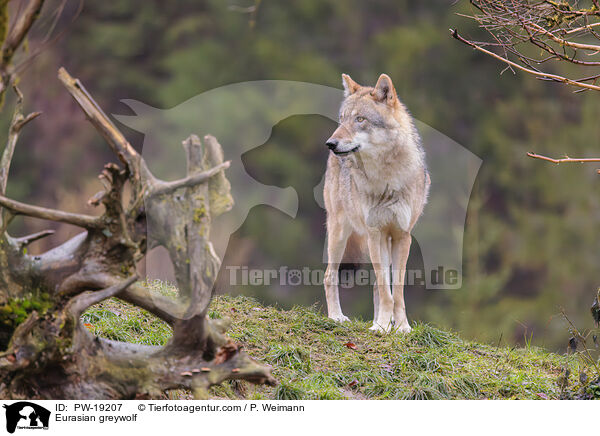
(370, 119)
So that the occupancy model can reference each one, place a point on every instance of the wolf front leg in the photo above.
(379, 252)
(337, 236)
(400, 250)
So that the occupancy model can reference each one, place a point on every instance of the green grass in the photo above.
(311, 360)
(119, 321)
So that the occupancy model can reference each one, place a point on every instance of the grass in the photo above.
(314, 357)
(119, 321)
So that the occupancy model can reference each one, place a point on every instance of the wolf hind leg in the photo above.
(380, 258)
(375, 302)
(400, 250)
(337, 237)
(375, 290)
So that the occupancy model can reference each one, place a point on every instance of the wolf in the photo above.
(376, 186)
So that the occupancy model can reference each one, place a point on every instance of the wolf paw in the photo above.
(339, 318)
(404, 328)
(380, 329)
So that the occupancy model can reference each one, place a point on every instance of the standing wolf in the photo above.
(376, 186)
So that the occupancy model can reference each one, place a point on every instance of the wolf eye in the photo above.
(360, 119)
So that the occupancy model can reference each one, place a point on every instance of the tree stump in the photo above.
(46, 351)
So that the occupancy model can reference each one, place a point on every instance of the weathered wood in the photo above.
(47, 353)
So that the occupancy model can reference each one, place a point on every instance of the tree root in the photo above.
(50, 354)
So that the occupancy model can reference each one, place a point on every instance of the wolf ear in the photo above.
(350, 86)
(384, 90)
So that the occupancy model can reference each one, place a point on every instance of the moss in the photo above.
(17, 310)
(220, 203)
(199, 214)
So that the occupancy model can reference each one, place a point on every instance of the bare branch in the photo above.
(564, 159)
(538, 74)
(566, 42)
(17, 123)
(113, 136)
(195, 179)
(81, 220)
(14, 40)
(24, 241)
(20, 29)
(579, 29)
(561, 30)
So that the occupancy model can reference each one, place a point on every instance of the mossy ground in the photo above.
(314, 357)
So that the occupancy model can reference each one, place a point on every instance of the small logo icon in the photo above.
(26, 415)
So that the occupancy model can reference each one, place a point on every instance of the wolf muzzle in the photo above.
(333, 143)
(333, 146)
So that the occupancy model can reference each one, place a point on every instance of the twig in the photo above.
(562, 30)
(555, 77)
(20, 29)
(17, 123)
(24, 241)
(578, 29)
(564, 42)
(564, 159)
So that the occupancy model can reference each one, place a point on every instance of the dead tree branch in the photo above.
(24, 241)
(530, 33)
(13, 39)
(115, 139)
(168, 187)
(20, 30)
(564, 159)
(18, 122)
(538, 74)
(81, 220)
